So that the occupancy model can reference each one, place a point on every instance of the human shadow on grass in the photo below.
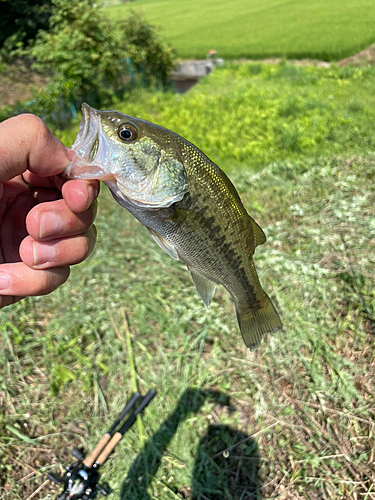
(226, 466)
(226, 463)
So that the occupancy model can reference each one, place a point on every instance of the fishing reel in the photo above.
(80, 480)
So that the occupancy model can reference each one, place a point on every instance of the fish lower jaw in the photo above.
(147, 204)
(130, 198)
(81, 168)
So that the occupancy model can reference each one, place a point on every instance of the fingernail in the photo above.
(4, 281)
(43, 253)
(51, 224)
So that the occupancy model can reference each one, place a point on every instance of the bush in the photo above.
(91, 58)
(148, 55)
(20, 20)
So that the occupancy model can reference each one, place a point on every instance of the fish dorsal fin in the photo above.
(164, 244)
(205, 288)
(259, 236)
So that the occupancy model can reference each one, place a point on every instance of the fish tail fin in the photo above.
(254, 324)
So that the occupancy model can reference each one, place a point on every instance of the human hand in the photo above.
(45, 223)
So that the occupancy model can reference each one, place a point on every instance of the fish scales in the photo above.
(188, 204)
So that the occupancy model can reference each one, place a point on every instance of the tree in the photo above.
(22, 19)
(88, 55)
(149, 55)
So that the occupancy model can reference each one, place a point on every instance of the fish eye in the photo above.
(127, 132)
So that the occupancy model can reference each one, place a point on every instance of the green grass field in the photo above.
(328, 30)
(297, 416)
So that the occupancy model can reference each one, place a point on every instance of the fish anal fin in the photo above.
(164, 244)
(205, 288)
(253, 325)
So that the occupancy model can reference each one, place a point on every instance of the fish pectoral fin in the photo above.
(259, 236)
(205, 288)
(254, 324)
(164, 244)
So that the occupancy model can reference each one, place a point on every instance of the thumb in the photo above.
(26, 143)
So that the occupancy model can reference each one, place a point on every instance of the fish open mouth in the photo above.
(142, 176)
(87, 146)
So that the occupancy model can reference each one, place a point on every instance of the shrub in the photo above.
(91, 58)
(20, 20)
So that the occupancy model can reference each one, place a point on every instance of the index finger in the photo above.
(27, 144)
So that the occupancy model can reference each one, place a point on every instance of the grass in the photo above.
(293, 420)
(266, 113)
(252, 29)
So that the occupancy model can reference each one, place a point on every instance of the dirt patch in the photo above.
(298, 62)
(17, 83)
(366, 56)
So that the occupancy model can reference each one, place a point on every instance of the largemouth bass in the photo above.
(190, 207)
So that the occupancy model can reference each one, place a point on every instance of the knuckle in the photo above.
(40, 134)
(30, 121)
(43, 135)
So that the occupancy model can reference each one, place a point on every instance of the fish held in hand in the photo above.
(190, 207)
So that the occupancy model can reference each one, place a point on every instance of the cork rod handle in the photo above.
(91, 457)
(109, 448)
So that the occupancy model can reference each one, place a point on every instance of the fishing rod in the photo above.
(81, 479)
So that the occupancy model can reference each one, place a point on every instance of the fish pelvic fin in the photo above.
(205, 288)
(254, 324)
(259, 236)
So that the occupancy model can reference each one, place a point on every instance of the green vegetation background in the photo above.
(328, 30)
(264, 113)
(298, 144)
